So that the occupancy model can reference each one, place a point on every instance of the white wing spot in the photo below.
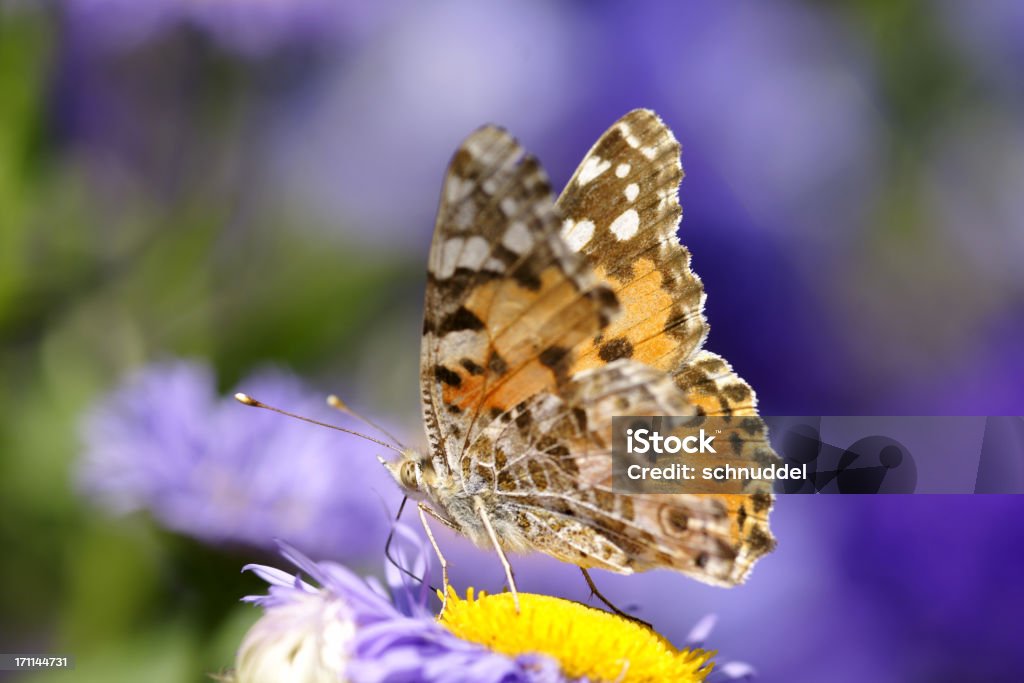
(627, 132)
(474, 253)
(631, 191)
(490, 186)
(517, 237)
(576, 235)
(465, 214)
(461, 343)
(626, 225)
(648, 152)
(667, 198)
(622, 170)
(457, 189)
(508, 206)
(449, 252)
(591, 168)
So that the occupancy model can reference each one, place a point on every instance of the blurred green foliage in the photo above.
(90, 290)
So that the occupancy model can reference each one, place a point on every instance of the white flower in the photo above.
(305, 639)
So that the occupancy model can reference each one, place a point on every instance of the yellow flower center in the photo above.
(585, 641)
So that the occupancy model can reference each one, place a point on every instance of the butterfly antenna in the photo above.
(336, 403)
(250, 401)
(391, 537)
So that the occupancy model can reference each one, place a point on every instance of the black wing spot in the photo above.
(580, 415)
(737, 393)
(449, 377)
(761, 502)
(525, 276)
(677, 521)
(615, 349)
(760, 542)
(553, 356)
(471, 367)
(461, 319)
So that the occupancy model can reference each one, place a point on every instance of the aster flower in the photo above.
(208, 467)
(588, 643)
(347, 629)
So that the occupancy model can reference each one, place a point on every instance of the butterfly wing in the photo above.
(550, 463)
(506, 300)
(622, 213)
(524, 359)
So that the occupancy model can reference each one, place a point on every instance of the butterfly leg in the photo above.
(596, 593)
(482, 511)
(424, 511)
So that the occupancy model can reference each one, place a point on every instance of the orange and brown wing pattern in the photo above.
(506, 300)
(544, 320)
(546, 467)
(713, 386)
(622, 212)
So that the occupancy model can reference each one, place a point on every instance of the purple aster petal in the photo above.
(390, 646)
(701, 630)
(206, 466)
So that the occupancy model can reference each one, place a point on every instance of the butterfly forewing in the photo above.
(506, 300)
(622, 212)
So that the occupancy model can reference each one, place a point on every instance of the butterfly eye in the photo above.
(408, 474)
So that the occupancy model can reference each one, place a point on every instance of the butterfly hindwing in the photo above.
(547, 466)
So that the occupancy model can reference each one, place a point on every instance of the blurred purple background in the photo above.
(255, 185)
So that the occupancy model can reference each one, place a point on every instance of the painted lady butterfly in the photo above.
(544, 319)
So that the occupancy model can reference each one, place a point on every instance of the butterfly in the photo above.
(545, 318)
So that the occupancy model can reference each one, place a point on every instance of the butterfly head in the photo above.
(412, 471)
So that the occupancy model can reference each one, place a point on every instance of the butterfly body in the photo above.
(545, 319)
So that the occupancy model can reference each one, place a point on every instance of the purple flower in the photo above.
(383, 125)
(247, 27)
(209, 467)
(348, 629)
(345, 628)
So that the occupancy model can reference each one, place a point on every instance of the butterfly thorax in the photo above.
(415, 472)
